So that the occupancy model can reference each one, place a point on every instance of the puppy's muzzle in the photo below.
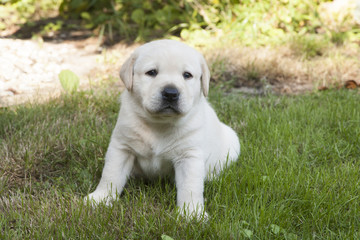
(170, 95)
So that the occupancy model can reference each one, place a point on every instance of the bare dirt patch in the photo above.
(29, 68)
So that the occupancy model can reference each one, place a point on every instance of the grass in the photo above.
(297, 176)
(300, 64)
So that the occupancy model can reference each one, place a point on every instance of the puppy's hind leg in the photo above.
(118, 166)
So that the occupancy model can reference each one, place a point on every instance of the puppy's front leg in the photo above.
(189, 178)
(118, 166)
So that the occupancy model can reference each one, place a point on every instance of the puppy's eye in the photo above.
(152, 73)
(187, 75)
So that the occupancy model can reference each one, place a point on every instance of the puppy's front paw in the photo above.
(99, 197)
(190, 213)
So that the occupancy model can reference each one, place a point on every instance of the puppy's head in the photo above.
(166, 77)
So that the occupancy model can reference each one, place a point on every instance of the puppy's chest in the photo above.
(152, 146)
(154, 154)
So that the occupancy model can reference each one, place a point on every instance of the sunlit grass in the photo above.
(296, 178)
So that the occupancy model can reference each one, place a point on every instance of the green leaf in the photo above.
(247, 233)
(69, 81)
(86, 15)
(166, 237)
(138, 16)
(185, 34)
(291, 236)
(275, 229)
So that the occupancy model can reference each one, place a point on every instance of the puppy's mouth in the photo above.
(165, 113)
(168, 109)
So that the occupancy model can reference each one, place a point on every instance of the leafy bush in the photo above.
(27, 9)
(245, 21)
(250, 22)
(137, 18)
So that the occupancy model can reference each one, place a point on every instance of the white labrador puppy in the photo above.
(166, 126)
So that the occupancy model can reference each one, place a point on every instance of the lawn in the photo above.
(297, 176)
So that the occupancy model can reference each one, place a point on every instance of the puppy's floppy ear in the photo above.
(127, 72)
(205, 77)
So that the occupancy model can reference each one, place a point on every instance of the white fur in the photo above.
(192, 144)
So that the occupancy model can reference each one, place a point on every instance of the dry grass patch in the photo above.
(284, 69)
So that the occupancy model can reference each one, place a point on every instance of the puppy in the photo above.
(166, 126)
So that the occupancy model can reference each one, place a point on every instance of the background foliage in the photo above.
(248, 21)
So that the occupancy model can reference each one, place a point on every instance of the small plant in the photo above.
(69, 81)
(252, 72)
(166, 237)
(338, 37)
(308, 46)
(50, 28)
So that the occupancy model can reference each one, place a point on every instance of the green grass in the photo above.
(297, 176)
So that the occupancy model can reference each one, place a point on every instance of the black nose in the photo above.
(170, 94)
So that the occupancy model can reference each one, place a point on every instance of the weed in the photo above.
(308, 46)
(338, 38)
